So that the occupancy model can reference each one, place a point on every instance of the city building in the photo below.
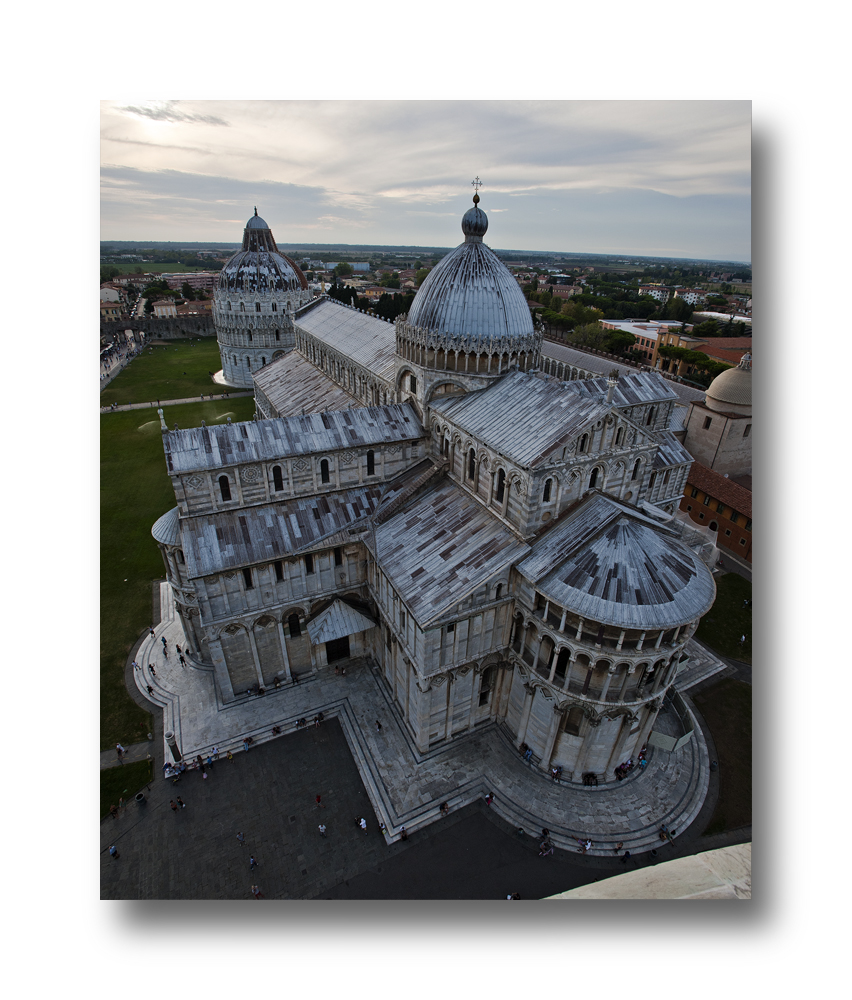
(651, 334)
(499, 542)
(716, 502)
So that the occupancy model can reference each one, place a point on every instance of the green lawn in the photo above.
(123, 782)
(727, 621)
(726, 708)
(158, 267)
(135, 491)
(176, 371)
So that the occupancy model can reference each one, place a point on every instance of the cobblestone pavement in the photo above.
(269, 795)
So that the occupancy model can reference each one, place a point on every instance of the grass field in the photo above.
(726, 708)
(135, 491)
(176, 371)
(124, 782)
(724, 624)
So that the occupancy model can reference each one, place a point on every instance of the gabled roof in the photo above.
(337, 621)
(441, 548)
(631, 389)
(368, 341)
(229, 540)
(522, 417)
(226, 445)
(608, 562)
(670, 452)
(294, 386)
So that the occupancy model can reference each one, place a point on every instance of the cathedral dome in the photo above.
(259, 266)
(731, 389)
(471, 294)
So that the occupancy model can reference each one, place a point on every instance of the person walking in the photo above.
(182, 660)
(363, 824)
(215, 752)
(378, 726)
(174, 806)
(625, 857)
(151, 629)
(119, 752)
(151, 668)
(230, 755)
(163, 639)
(241, 839)
(113, 852)
(113, 812)
(255, 889)
(181, 803)
(319, 802)
(252, 863)
(322, 829)
(150, 689)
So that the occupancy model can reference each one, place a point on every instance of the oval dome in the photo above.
(259, 266)
(732, 387)
(471, 293)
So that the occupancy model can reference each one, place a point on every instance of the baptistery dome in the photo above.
(257, 291)
(731, 390)
(259, 266)
(471, 293)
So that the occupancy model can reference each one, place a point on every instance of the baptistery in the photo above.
(257, 292)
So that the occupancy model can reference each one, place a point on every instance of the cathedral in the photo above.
(499, 542)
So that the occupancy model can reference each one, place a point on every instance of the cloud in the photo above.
(167, 112)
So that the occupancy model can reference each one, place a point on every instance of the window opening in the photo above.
(224, 487)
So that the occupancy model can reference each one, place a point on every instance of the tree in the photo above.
(108, 272)
(187, 291)
(342, 269)
(149, 305)
(420, 277)
(679, 309)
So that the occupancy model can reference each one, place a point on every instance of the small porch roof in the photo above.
(337, 621)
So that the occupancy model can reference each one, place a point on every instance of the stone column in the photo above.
(174, 749)
(645, 729)
(552, 733)
(448, 721)
(631, 669)
(474, 692)
(220, 669)
(283, 640)
(424, 714)
(607, 680)
(525, 715)
(256, 658)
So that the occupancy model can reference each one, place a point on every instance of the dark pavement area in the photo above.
(269, 795)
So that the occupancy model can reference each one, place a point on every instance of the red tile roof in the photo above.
(720, 488)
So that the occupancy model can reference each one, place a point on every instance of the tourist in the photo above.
(252, 863)
(113, 852)
(362, 822)
(319, 802)
(241, 840)
(322, 829)
(445, 809)
(174, 806)
(181, 803)
(403, 834)
(257, 893)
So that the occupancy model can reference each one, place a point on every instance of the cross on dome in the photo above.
(477, 184)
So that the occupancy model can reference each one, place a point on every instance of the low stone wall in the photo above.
(172, 328)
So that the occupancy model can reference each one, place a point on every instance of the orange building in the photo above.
(717, 502)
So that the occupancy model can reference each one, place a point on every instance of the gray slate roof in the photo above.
(337, 621)
(368, 341)
(167, 528)
(671, 451)
(595, 363)
(233, 539)
(441, 548)
(294, 386)
(201, 448)
(609, 563)
(631, 389)
(523, 417)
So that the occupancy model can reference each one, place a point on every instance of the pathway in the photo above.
(405, 787)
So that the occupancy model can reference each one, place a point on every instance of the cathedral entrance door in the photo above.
(337, 649)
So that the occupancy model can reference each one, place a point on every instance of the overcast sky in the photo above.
(634, 177)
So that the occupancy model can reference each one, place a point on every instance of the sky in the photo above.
(667, 178)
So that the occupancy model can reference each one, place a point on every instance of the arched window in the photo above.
(235, 358)
(593, 478)
(619, 435)
(636, 469)
(501, 485)
(224, 487)
(498, 592)
(275, 307)
(180, 557)
(262, 362)
(650, 418)
(584, 441)
(486, 683)
(248, 363)
(277, 335)
(471, 464)
(324, 471)
(277, 478)
(371, 463)
(547, 488)
(249, 336)
(652, 480)
(229, 307)
(294, 626)
(666, 477)
(257, 307)
(714, 526)
(242, 307)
